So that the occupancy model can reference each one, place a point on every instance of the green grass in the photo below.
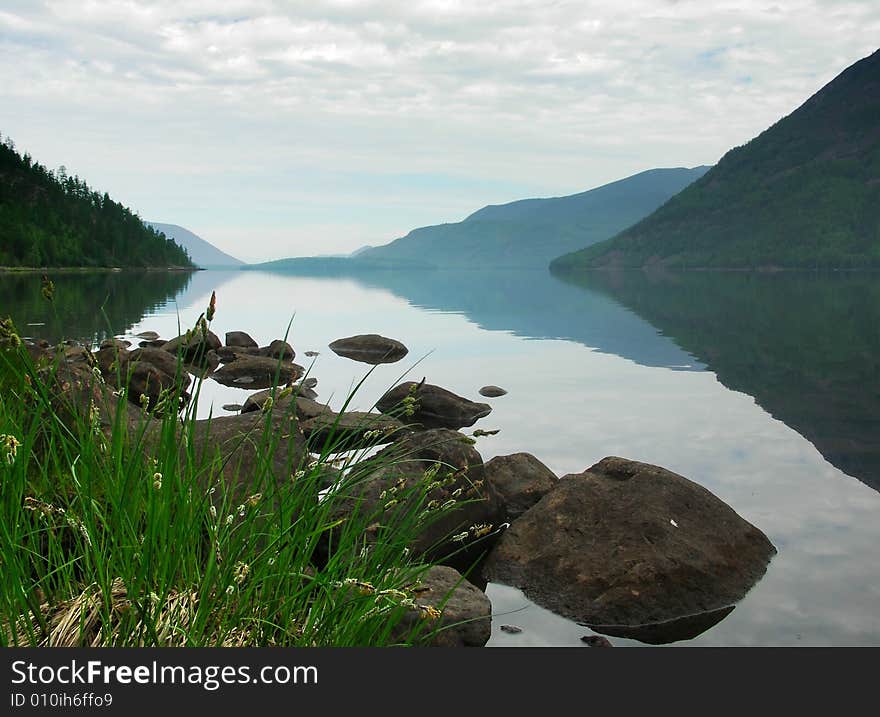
(115, 531)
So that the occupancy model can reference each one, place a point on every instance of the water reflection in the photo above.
(87, 306)
(531, 304)
(805, 346)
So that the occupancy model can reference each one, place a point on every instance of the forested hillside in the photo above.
(803, 194)
(50, 219)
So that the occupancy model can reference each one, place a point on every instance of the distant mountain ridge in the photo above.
(805, 193)
(528, 233)
(202, 252)
(524, 234)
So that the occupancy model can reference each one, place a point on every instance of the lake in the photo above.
(763, 388)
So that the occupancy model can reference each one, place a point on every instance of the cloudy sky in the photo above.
(276, 129)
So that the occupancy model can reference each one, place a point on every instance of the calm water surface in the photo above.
(761, 388)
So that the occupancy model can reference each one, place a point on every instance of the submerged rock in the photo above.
(369, 348)
(492, 391)
(432, 406)
(626, 544)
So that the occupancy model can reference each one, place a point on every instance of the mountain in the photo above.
(530, 232)
(50, 219)
(203, 253)
(805, 193)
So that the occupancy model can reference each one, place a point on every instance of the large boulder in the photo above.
(431, 406)
(628, 543)
(369, 348)
(257, 372)
(465, 611)
(521, 480)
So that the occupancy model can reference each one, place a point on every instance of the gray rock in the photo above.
(466, 612)
(148, 335)
(492, 391)
(193, 348)
(627, 543)
(111, 361)
(434, 407)
(149, 381)
(596, 641)
(521, 480)
(162, 360)
(230, 353)
(305, 408)
(352, 430)
(279, 349)
(460, 470)
(257, 372)
(242, 443)
(240, 339)
(369, 348)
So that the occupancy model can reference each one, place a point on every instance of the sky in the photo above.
(276, 129)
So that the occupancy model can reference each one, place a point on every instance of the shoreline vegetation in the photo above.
(128, 523)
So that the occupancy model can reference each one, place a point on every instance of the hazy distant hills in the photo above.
(530, 232)
(51, 219)
(805, 193)
(203, 253)
(524, 234)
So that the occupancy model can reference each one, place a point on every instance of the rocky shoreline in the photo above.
(624, 548)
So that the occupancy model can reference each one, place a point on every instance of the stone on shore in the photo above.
(448, 460)
(257, 372)
(351, 430)
(240, 339)
(466, 612)
(521, 480)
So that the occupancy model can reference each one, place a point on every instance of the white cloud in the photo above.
(186, 111)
